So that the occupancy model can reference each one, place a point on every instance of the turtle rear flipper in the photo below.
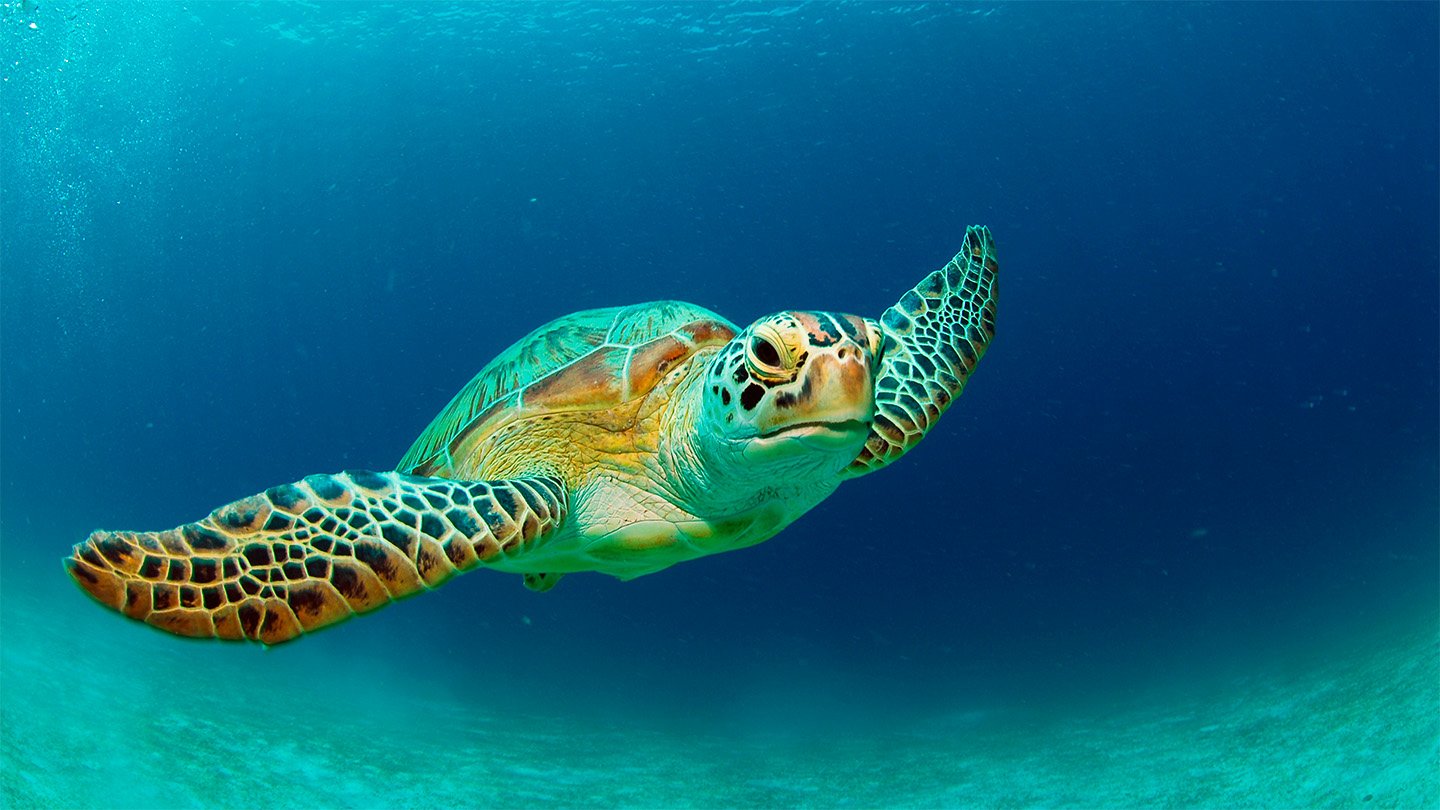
(302, 556)
(931, 340)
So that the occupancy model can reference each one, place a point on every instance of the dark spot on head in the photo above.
(323, 544)
(230, 567)
(249, 585)
(823, 338)
(740, 374)
(725, 397)
(751, 397)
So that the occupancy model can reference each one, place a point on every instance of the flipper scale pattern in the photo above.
(933, 339)
(303, 556)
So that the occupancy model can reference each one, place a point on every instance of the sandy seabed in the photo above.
(96, 713)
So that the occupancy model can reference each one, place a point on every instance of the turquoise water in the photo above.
(1175, 546)
(99, 712)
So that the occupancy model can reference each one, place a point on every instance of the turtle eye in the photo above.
(766, 356)
(765, 352)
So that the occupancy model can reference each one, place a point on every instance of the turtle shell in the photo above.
(589, 360)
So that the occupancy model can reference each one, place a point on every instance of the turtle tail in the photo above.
(933, 339)
(303, 556)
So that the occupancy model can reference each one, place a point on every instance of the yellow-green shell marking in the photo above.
(590, 360)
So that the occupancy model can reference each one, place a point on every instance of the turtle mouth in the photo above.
(829, 438)
(818, 429)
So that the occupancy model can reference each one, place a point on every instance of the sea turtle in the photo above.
(619, 440)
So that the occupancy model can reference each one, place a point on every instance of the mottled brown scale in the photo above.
(652, 361)
(590, 378)
(314, 578)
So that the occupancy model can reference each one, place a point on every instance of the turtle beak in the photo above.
(834, 388)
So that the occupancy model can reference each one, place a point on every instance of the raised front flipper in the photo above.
(302, 556)
(933, 339)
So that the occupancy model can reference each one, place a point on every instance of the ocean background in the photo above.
(1176, 545)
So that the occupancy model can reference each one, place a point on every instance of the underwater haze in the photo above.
(1175, 545)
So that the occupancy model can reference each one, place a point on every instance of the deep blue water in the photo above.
(243, 243)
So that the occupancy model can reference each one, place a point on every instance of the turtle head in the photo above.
(794, 384)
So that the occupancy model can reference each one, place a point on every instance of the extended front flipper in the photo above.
(933, 339)
(302, 556)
